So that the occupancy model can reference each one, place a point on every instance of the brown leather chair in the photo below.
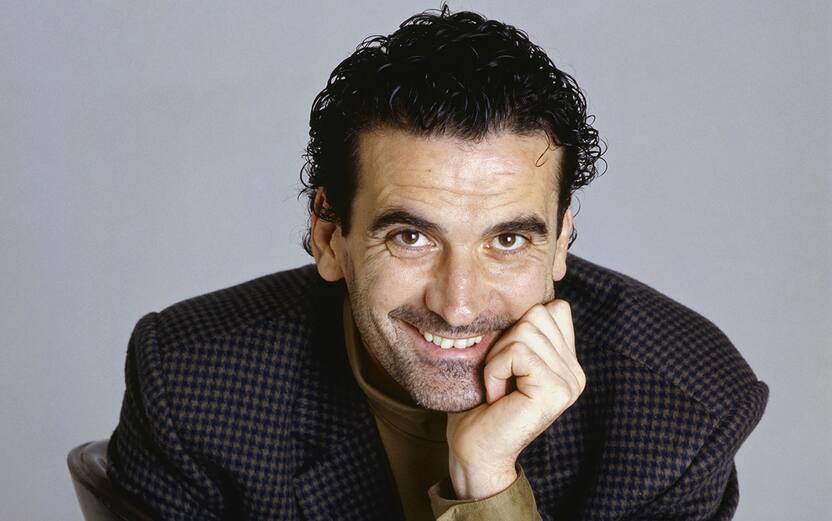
(99, 500)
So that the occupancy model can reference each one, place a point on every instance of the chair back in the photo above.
(99, 500)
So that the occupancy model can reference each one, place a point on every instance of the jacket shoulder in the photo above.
(218, 367)
(270, 298)
(682, 347)
(206, 377)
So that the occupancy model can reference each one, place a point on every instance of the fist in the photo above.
(531, 377)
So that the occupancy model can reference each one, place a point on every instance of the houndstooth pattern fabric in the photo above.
(240, 404)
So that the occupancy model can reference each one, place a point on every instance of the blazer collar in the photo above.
(344, 473)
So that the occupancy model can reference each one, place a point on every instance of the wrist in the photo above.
(480, 482)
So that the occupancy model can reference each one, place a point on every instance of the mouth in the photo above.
(472, 348)
(450, 343)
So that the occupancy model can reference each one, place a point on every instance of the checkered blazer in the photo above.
(240, 404)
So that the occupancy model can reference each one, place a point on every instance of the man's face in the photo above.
(451, 242)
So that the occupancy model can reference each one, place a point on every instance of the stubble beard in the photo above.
(440, 385)
(433, 383)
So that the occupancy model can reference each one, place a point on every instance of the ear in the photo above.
(559, 267)
(326, 241)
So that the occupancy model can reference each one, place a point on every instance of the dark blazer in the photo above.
(240, 404)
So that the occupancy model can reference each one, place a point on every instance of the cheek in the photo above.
(521, 289)
(389, 285)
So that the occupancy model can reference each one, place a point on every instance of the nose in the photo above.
(459, 291)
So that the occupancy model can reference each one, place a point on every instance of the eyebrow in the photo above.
(394, 216)
(525, 224)
(528, 224)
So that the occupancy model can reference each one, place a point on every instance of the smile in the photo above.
(447, 343)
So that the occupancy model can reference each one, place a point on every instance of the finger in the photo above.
(543, 320)
(551, 391)
(527, 332)
(560, 361)
(538, 329)
(511, 362)
(536, 321)
(561, 313)
(530, 373)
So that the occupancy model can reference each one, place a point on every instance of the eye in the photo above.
(410, 239)
(508, 242)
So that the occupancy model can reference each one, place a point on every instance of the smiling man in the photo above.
(445, 357)
(453, 241)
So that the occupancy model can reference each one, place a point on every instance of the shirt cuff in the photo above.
(515, 502)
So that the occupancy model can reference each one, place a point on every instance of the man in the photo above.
(445, 358)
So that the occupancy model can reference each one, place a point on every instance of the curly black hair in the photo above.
(442, 73)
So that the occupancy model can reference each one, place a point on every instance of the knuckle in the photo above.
(560, 383)
(582, 380)
(574, 388)
(537, 362)
(538, 312)
(526, 329)
(565, 393)
(488, 371)
(563, 306)
(561, 399)
(515, 348)
(576, 392)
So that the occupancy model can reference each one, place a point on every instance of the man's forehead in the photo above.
(447, 185)
(390, 160)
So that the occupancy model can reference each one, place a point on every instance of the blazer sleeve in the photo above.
(147, 458)
(708, 489)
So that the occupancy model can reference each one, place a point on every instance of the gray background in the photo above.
(150, 151)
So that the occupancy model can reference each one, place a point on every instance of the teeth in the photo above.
(462, 343)
(448, 343)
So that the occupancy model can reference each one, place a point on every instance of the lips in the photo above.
(473, 354)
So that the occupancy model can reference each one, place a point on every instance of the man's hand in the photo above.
(539, 353)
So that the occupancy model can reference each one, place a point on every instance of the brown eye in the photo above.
(508, 242)
(410, 237)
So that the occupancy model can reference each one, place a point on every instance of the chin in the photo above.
(457, 398)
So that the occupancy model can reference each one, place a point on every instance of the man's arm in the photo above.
(146, 455)
(531, 377)
(708, 489)
(537, 356)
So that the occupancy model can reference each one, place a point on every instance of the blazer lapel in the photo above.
(344, 471)
(348, 480)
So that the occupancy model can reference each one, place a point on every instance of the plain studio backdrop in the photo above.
(150, 152)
